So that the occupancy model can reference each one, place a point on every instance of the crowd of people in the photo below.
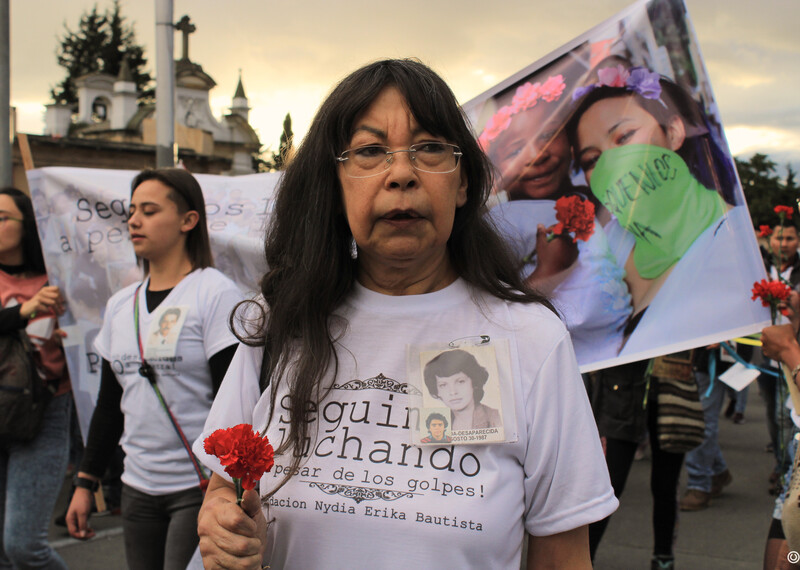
(390, 285)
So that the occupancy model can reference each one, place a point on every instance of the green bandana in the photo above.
(654, 196)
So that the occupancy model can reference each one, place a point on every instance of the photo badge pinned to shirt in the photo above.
(464, 392)
(164, 331)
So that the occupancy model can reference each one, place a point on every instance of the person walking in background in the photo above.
(781, 261)
(705, 464)
(161, 495)
(28, 303)
(625, 404)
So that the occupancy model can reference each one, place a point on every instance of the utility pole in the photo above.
(165, 84)
(6, 175)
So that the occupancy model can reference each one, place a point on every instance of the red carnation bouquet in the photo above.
(575, 217)
(771, 294)
(245, 455)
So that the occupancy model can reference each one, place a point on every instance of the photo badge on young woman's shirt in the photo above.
(164, 330)
(464, 393)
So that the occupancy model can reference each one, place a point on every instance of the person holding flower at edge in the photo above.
(780, 343)
(378, 245)
(782, 263)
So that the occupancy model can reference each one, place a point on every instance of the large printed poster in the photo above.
(82, 221)
(619, 130)
(621, 119)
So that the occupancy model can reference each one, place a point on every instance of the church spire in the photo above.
(239, 104)
(240, 88)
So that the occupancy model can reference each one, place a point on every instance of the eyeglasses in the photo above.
(4, 219)
(371, 160)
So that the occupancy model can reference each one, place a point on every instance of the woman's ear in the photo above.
(190, 220)
(676, 133)
(461, 196)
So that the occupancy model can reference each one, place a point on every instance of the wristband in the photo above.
(86, 483)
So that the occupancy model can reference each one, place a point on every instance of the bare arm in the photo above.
(568, 549)
(231, 536)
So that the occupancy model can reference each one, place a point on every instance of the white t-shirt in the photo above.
(365, 497)
(155, 460)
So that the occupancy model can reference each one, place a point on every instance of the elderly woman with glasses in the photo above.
(379, 246)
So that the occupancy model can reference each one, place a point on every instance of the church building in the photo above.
(109, 129)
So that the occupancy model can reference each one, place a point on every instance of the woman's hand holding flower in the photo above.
(554, 254)
(779, 343)
(790, 308)
(231, 536)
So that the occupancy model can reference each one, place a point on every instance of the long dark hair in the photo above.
(185, 191)
(308, 244)
(32, 258)
(703, 154)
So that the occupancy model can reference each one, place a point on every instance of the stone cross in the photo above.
(186, 27)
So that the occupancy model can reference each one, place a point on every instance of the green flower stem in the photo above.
(237, 483)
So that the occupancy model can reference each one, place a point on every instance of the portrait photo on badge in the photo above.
(164, 330)
(459, 396)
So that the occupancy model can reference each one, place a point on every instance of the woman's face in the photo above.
(533, 156)
(11, 232)
(620, 121)
(157, 229)
(455, 391)
(403, 216)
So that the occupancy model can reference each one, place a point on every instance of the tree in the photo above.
(285, 146)
(764, 189)
(100, 44)
(278, 160)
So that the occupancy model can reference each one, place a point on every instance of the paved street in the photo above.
(729, 535)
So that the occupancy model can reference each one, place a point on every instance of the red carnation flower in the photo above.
(245, 455)
(765, 231)
(784, 210)
(771, 294)
(575, 216)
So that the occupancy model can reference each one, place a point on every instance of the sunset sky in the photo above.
(292, 53)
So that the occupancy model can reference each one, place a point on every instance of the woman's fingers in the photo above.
(46, 299)
(228, 535)
(776, 340)
(78, 515)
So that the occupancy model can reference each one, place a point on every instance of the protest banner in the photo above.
(82, 217)
(650, 249)
(616, 136)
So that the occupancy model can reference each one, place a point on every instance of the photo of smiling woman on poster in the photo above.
(527, 143)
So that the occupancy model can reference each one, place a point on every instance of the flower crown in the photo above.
(637, 79)
(526, 97)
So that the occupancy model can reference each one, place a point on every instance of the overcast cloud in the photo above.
(291, 53)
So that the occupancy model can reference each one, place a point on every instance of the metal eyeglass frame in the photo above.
(342, 159)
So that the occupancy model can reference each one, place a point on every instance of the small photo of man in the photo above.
(164, 332)
(437, 429)
(166, 324)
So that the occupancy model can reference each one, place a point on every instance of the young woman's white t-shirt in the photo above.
(155, 460)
